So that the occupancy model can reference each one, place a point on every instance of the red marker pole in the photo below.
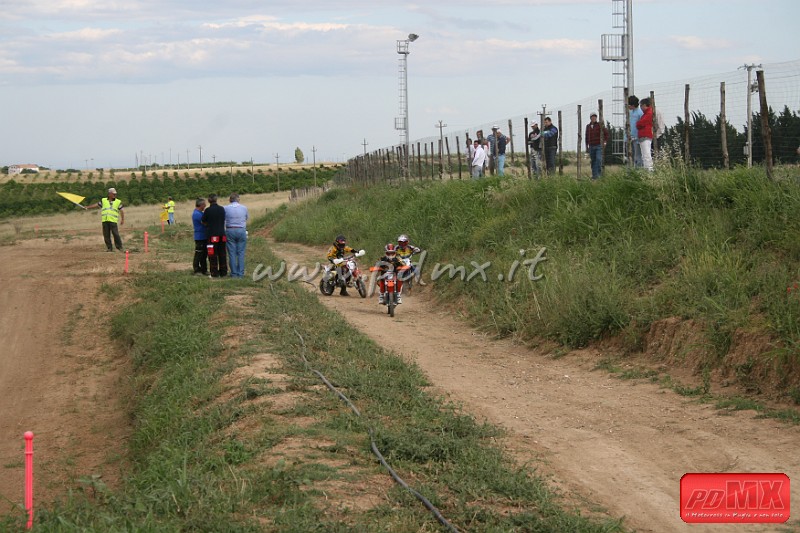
(146, 235)
(127, 255)
(29, 477)
(162, 226)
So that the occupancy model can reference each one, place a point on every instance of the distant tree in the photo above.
(298, 155)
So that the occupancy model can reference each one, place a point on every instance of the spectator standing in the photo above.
(478, 160)
(470, 153)
(550, 135)
(596, 140)
(645, 131)
(236, 217)
(169, 207)
(485, 145)
(111, 213)
(634, 114)
(497, 150)
(200, 262)
(534, 144)
(214, 220)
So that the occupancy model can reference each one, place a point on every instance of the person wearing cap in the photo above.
(169, 207)
(550, 135)
(111, 213)
(596, 140)
(534, 144)
(497, 150)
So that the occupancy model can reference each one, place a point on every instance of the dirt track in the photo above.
(618, 444)
(59, 374)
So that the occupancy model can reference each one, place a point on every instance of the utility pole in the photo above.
(364, 144)
(201, 157)
(751, 88)
(187, 159)
(278, 171)
(214, 157)
(314, 155)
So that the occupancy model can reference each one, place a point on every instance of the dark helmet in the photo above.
(340, 241)
(391, 250)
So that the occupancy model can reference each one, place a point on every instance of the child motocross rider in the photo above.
(405, 251)
(338, 251)
(389, 258)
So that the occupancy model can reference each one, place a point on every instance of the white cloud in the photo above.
(693, 42)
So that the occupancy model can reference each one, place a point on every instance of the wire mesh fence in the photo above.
(691, 111)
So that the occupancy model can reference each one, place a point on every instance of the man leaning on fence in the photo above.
(550, 135)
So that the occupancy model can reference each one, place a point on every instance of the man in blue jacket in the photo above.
(200, 262)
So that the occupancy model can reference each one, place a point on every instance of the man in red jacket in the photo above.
(645, 128)
(596, 139)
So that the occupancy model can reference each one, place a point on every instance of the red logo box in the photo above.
(735, 498)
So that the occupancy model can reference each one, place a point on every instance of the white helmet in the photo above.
(402, 239)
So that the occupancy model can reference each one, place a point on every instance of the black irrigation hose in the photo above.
(432, 508)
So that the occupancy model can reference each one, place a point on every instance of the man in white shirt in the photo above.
(478, 160)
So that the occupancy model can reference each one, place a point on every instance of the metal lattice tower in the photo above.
(401, 121)
(618, 48)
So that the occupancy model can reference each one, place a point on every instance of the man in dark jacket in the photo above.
(214, 219)
(534, 145)
(550, 134)
(596, 140)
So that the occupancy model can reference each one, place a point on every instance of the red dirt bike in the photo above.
(351, 276)
(389, 276)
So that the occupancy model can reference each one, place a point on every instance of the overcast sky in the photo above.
(103, 80)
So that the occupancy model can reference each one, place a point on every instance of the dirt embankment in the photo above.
(618, 444)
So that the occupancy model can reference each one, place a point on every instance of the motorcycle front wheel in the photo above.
(362, 287)
(391, 303)
(326, 285)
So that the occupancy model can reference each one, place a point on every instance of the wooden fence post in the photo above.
(628, 140)
(560, 152)
(449, 161)
(655, 121)
(603, 141)
(686, 154)
(723, 129)
(580, 139)
(458, 155)
(766, 131)
(433, 164)
(527, 149)
(511, 139)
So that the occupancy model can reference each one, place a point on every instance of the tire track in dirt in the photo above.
(604, 441)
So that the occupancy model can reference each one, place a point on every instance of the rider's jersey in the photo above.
(337, 253)
(404, 253)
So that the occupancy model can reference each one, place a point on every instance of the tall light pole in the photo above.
(201, 157)
(401, 122)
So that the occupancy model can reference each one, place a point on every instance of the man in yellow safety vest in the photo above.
(111, 213)
(170, 208)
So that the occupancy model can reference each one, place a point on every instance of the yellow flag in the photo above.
(164, 216)
(74, 198)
